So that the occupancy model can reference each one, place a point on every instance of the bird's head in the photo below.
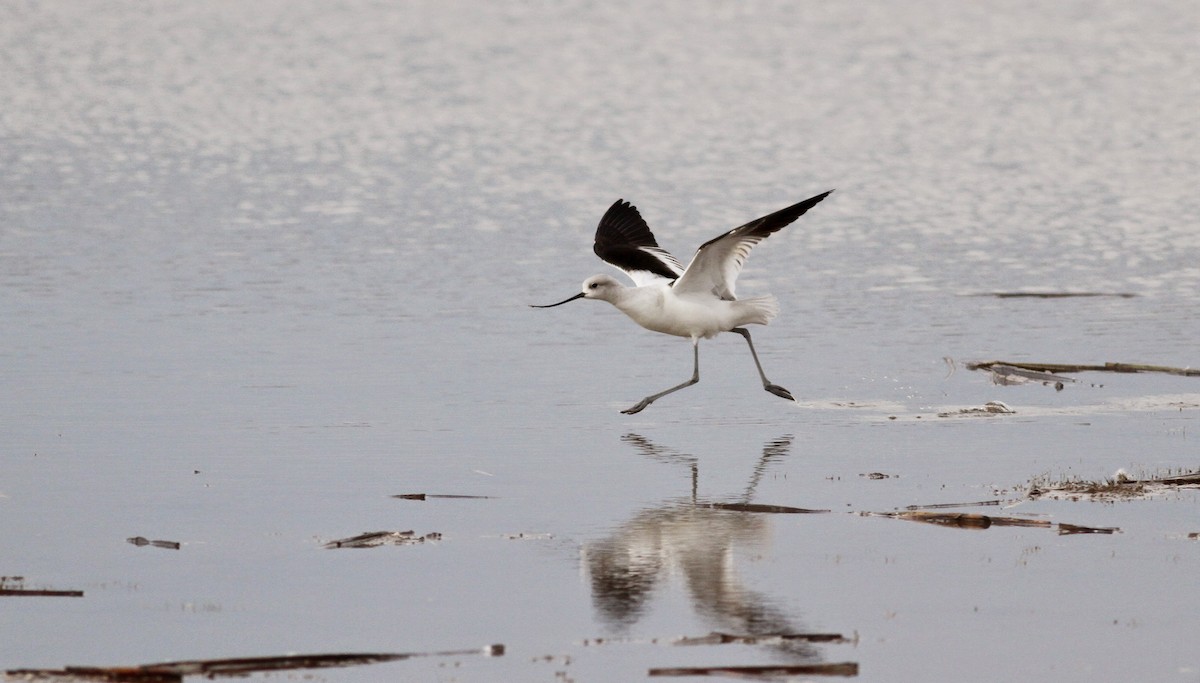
(595, 287)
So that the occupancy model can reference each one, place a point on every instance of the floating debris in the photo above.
(878, 475)
(427, 496)
(758, 508)
(143, 541)
(1064, 529)
(373, 539)
(1056, 295)
(988, 409)
(964, 520)
(1192, 479)
(718, 638)
(527, 536)
(967, 520)
(1011, 375)
(1121, 487)
(762, 672)
(174, 672)
(1055, 368)
(15, 586)
(936, 506)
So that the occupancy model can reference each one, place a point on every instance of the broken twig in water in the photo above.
(427, 496)
(143, 541)
(763, 672)
(940, 506)
(718, 638)
(1180, 480)
(1064, 529)
(756, 507)
(1056, 295)
(41, 593)
(173, 672)
(966, 520)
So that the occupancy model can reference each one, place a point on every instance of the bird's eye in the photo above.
(594, 285)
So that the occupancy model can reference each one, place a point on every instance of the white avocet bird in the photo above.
(697, 302)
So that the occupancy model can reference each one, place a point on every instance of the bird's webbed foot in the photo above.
(778, 391)
(637, 408)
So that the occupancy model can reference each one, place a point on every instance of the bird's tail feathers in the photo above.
(759, 310)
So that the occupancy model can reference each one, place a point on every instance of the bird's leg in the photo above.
(773, 388)
(695, 378)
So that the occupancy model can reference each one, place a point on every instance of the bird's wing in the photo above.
(624, 240)
(715, 267)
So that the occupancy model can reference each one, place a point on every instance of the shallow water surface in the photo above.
(266, 267)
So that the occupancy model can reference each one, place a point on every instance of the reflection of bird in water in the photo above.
(772, 451)
(697, 543)
(665, 455)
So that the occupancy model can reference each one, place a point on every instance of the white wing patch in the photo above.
(641, 278)
(715, 267)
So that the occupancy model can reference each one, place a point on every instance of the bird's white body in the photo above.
(697, 302)
(657, 307)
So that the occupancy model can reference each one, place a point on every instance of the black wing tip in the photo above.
(817, 198)
(798, 209)
(775, 221)
(623, 224)
(782, 217)
(621, 212)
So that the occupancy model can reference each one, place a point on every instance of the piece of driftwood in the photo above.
(1065, 529)
(1055, 368)
(718, 638)
(940, 506)
(770, 671)
(174, 672)
(760, 508)
(965, 520)
(1057, 295)
(1018, 521)
(427, 496)
(40, 593)
(1180, 480)
(141, 541)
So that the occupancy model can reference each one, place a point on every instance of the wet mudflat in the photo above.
(274, 404)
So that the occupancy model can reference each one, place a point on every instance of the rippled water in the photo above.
(265, 265)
